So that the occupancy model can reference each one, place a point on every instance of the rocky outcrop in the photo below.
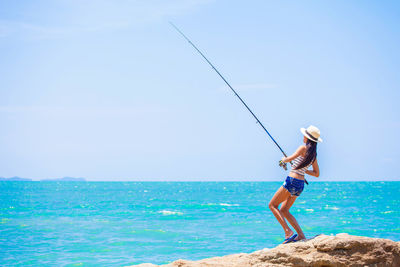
(341, 250)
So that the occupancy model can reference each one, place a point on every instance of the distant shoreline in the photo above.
(64, 179)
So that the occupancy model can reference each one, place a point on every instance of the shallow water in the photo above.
(123, 223)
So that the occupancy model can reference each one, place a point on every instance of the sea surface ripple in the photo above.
(124, 223)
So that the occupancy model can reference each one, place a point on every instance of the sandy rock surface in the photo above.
(341, 250)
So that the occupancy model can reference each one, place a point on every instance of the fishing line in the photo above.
(222, 77)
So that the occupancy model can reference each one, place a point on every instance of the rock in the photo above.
(341, 250)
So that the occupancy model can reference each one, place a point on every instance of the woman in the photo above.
(304, 156)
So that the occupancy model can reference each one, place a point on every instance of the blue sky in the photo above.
(107, 90)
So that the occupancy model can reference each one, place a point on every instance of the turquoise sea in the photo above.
(125, 223)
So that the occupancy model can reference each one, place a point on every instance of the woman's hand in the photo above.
(283, 164)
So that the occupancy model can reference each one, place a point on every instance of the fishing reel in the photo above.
(283, 165)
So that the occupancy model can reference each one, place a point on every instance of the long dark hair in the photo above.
(311, 154)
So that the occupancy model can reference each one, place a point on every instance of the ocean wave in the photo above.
(228, 205)
(221, 204)
(327, 207)
(169, 212)
(387, 212)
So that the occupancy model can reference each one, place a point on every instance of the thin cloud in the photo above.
(75, 17)
(388, 160)
(83, 111)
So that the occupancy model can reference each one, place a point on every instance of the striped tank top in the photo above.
(296, 162)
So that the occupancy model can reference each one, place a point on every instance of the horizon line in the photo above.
(192, 181)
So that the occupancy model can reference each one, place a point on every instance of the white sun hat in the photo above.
(312, 133)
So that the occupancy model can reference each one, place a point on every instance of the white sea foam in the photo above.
(387, 212)
(327, 207)
(229, 205)
(222, 204)
(168, 212)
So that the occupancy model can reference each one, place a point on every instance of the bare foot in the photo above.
(288, 234)
(298, 238)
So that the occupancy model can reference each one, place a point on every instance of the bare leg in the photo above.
(281, 195)
(291, 219)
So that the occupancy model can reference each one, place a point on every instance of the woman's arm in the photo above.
(315, 170)
(297, 153)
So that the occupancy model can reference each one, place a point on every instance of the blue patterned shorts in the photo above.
(294, 186)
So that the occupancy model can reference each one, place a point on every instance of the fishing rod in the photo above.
(282, 164)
